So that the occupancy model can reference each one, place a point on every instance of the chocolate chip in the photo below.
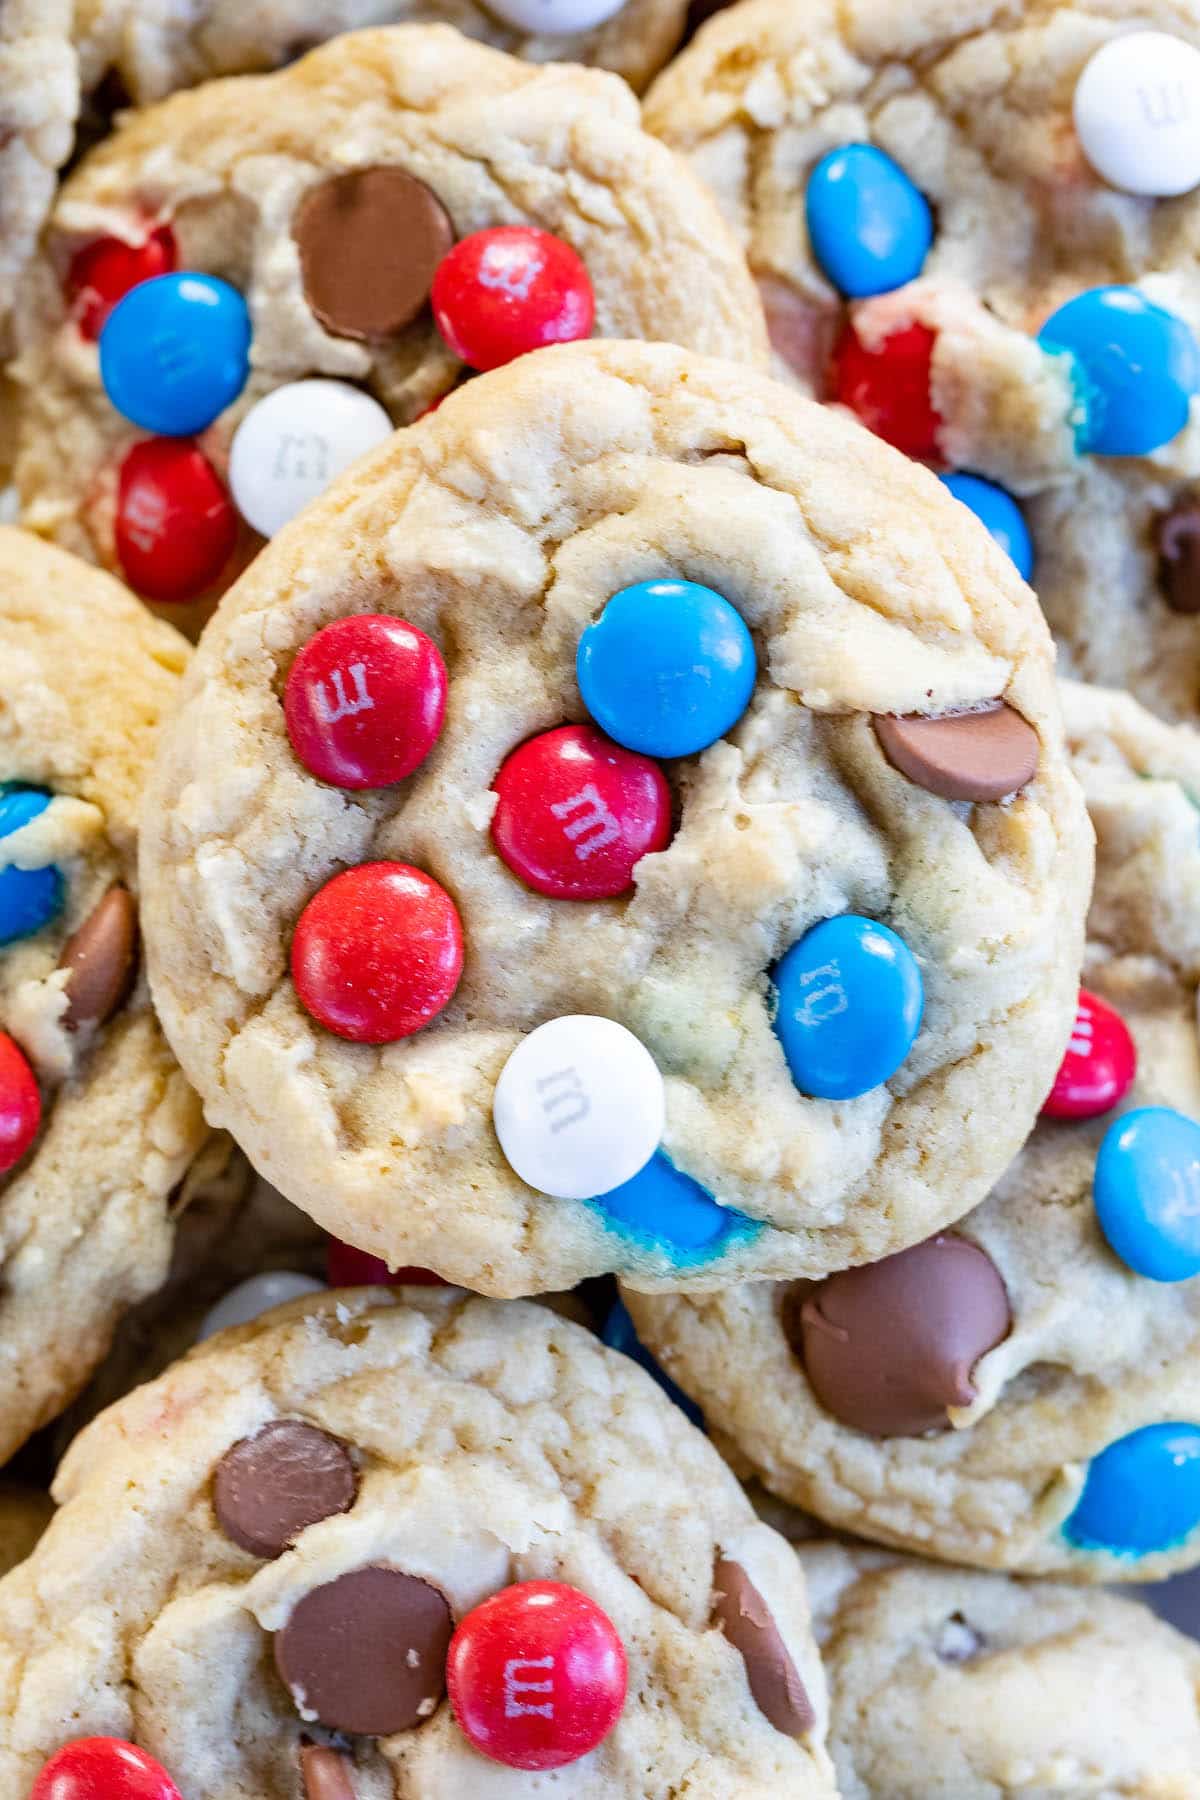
(957, 1641)
(370, 242)
(270, 1487)
(1179, 558)
(745, 1618)
(367, 1652)
(326, 1774)
(982, 755)
(889, 1346)
(100, 957)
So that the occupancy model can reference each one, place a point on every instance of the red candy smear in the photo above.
(20, 1104)
(889, 387)
(103, 273)
(377, 952)
(103, 1768)
(347, 1267)
(513, 288)
(536, 1675)
(1099, 1066)
(176, 526)
(365, 700)
(577, 813)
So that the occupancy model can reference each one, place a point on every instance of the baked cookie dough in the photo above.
(322, 205)
(920, 189)
(951, 1685)
(39, 99)
(361, 1473)
(1022, 1392)
(830, 994)
(24, 1515)
(97, 1125)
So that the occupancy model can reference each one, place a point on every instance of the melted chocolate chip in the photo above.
(100, 957)
(270, 1487)
(370, 242)
(746, 1619)
(984, 755)
(1179, 557)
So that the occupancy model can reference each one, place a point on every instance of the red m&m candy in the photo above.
(347, 1267)
(20, 1104)
(888, 386)
(176, 527)
(104, 271)
(377, 952)
(510, 289)
(1099, 1066)
(536, 1675)
(577, 813)
(365, 700)
(103, 1768)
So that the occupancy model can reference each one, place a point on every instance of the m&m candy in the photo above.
(293, 443)
(507, 290)
(29, 898)
(1141, 1494)
(365, 700)
(888, 385)
(662, 1203)
(537, 1675)
(1136, 367)
(667, 668)
(1099, 1065)
(104, 271)
(175, 526)
(103, 1768)
(870, 227)
(555, 18)
(996, 509)
(849, 1004)
(255, 1296)
(576, 813)
(1137, 113)
(175, 352)
(347, 1267)
(20, 1104)
(1146, 1189)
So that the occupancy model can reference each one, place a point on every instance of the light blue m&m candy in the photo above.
(29, 898)
(1141, 1494)
(870, 227)
(175, 352)
(667, 668)
(664, 1204)
(1146, 1190)
(996, 509)
(850, 999)
(1136, 369)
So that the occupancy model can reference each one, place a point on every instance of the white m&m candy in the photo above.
(579, 1107)
(289, 447)
(258, 1295)
(554, 18)
(1137, 113)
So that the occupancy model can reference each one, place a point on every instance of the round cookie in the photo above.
(1020, 1393)
(607, 509)
(24, 1515)
(950, 1685)
(39, 98)
(97, 1125)
(452, 1451)
(913, 189)
(324, 204)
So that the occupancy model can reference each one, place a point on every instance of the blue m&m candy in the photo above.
(1141, 1494)
(1146, 1190)
(996, 509)
(850, 999)
(29, 898)
(1136, 369)
(869, 226)
(667, 668)
(175, 352)
(662, 1203)
(619, 1334)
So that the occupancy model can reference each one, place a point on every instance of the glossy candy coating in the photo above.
(510, 289)
(1146, 1190)
(536, 1675)
(1137, 113)
(175, 526)
(1098, 1066)
(103, 1768)
(1135, 365)
(294, 442)
(850, 999)
(29, 898)
(662, 1203)
(555, 18)
(175, 352)
(869, 225)
(20, 1104)
(996, 509)
(105, 270)
(667, 668)
(255, 1296)
(347, 1267)
(888, 386)
(365, 700)
(1142, 1493)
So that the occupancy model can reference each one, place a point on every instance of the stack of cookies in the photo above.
(599, 901)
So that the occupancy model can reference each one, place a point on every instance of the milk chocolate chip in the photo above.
(326, 1774)
(1179, 558)
(982, 755)
(100, 957)
(888, 1347)
(270, 1487)
(745, 1618)
(367, 1652)
(369, 244)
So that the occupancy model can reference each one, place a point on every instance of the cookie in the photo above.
(950, 1685)
(970, 228)
(39, 98)
(730, 917)
(24, 1515)
(1021, 1392)
(365, 1547)
(319, 253)
(97, 1125)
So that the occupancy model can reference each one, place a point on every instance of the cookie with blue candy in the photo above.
(97, 1125)
(641, 841)
(1020, 1392)
(981, 237)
